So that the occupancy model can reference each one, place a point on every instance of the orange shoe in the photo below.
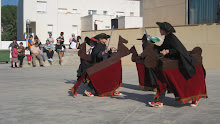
(156, 104)
(117, 93)
(88, 93)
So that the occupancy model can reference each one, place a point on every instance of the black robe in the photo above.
(179, 52)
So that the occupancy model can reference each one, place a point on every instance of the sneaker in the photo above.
(49, 59)
(194, 104)
(88, 93)
(34, 65)
(117, 93)
(41, 65)
(156, 104)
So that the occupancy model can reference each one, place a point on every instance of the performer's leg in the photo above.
(162, 96)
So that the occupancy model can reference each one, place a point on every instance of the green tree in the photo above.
(9, 22)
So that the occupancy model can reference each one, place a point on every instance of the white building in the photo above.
(71, 16)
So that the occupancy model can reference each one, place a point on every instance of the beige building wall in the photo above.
(204, 36)
(172, 11)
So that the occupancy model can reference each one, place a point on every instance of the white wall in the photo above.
(5, 44)
(133, 22)
(64, 22)
(130, 22)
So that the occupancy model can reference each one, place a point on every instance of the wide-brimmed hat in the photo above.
(145, 38)
(89, 40)
(166, 27)
(102, 36)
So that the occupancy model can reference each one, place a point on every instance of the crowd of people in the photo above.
(35, 49)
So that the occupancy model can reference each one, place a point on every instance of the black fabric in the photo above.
(49, 54)
(166, 27)
(179, 52)
(102, 36)
(99, 47)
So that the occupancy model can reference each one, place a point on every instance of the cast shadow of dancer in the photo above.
(145, 98)
(80, 90)
(131, 86)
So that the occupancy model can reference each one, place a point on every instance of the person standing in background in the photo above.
(79, 41)
(72, 41)
(21, 54)
(61, 37)
(51, 39)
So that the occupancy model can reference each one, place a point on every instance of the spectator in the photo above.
(61, 37)
(72, 41)
(28, 55)
(48, 48)
(15, 56)
(78, 42)
(51, 39)
(35, 53)
(30, 41)
(37, 40)
(59, 50)
(21, 54)
(11, 46)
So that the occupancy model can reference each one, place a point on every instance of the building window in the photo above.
(202, 11)
(92, 12)
(105, 12)
(120, 14)
(62, 10)
(41, 6)
(75, 30)
(74, 11)
(131, 13)
(29, 31)
(50, 29)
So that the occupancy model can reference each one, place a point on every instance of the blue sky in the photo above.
(9, 2)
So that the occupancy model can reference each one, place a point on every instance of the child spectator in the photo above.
(28, 55)
(15, 56)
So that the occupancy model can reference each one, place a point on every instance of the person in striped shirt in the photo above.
(48, 48)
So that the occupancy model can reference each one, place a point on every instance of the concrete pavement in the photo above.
(41, 96)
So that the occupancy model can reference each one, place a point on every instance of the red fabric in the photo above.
(77, 84)
(107, 80)
(184, 90)
(28, 57)
(141, 73)
(15, 53)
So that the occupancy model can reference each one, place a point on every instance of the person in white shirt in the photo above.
(72, 41)
(51, 39)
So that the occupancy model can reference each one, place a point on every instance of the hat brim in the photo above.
(101, 36)
(89, 40)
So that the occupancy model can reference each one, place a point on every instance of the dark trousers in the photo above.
(21, 58)
(162, 96)
(49, 54)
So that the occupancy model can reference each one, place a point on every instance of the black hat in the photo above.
(89, 40)
(166, 27)
(145, 38)
(102, 36)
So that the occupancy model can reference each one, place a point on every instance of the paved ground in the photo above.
(40, 96)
